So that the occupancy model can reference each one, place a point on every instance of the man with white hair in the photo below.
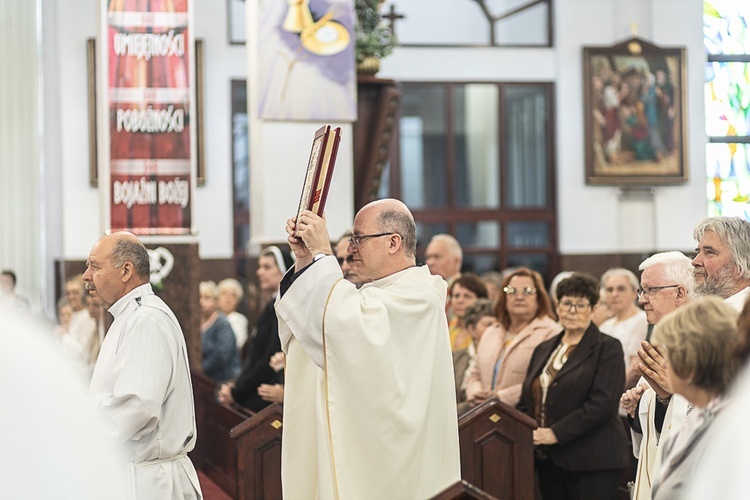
(666, 284)
(722, 261)
(444, 257)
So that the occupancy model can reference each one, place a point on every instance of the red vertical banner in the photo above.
(149, 104)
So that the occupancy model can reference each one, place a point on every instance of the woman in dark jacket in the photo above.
(572, 390)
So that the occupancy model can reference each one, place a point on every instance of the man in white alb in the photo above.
(141, 381)
(369, 403)
(666, 284)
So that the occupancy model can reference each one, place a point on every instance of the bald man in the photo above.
(141, 381)
(369, 403)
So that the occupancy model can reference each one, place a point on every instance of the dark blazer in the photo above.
(582, 402)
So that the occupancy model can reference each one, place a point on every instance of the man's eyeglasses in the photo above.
(650, 291)
(356, 241)
(527, 290)
(349, 260)
(574, 306)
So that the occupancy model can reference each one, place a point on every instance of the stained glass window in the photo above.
(727, 96)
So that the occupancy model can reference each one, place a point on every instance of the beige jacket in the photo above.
(512, 370)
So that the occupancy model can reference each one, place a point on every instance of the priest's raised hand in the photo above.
(308, 237)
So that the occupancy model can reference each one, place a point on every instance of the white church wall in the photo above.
(76, 21)
(276, 177)
(620, 221)
(674, 209)
(222, 63)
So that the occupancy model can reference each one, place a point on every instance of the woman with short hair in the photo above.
(628, 323)
(221, 359)
(524, 320)
(572, 389)
(699, 341)
(463, 292)
(477, 319)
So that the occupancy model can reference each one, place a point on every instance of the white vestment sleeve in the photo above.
(300, 310)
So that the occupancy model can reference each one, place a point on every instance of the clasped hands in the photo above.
(652, 366)
(307, 237)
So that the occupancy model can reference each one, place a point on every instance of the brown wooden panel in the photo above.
(215, 451)
(497, 453)
(462, 490)
(258, 445)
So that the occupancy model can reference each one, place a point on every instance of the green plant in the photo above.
(372, 36)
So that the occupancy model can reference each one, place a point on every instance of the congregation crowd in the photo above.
(626, 377)
(616, 371)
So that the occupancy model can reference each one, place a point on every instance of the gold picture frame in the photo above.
(635, 114)
(200, 174)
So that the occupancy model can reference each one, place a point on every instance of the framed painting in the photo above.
(635, 114)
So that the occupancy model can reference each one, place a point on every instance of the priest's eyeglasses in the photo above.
(527, 290)
(356, 241)
(650, 291)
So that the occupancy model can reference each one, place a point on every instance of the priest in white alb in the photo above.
(141, 380)
(369, 397)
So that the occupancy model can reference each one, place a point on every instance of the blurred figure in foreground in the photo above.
(55, 446)
(700, 342)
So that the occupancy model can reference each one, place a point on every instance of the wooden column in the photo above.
(378, 107)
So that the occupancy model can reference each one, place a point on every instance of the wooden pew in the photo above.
(497, 453)
(214, 450)
(258, 450)
(461, 490)
(238, 450)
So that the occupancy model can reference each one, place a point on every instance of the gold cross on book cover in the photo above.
(319, 170)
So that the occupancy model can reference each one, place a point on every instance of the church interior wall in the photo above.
(654, 219)
(618, 217)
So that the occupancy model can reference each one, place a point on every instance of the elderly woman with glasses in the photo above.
(572, 390)
(524, 317)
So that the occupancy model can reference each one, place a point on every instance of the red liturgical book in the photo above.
(319, 170)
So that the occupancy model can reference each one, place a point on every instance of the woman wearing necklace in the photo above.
(571, 390)
(525, 320)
